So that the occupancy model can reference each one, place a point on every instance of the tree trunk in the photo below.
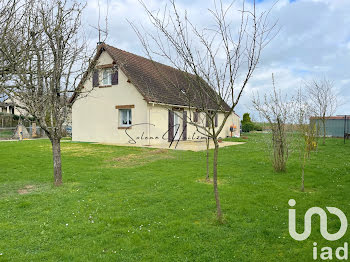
(303, 170)
(207, 177)
(317, 135)
(215, 180)
(324, 132)
(57, 167)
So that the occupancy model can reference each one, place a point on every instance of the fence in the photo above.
(7, 133)
(9, 124)
(10, 121)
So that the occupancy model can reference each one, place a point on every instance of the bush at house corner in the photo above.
(248, 125)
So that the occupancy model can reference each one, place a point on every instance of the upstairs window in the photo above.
(107, 77)
(125, 117)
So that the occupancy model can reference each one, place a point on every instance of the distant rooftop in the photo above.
(332, 117)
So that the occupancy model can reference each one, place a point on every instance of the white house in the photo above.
(126, 99)
(7, 106)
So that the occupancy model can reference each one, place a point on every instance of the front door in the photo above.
(177, 126)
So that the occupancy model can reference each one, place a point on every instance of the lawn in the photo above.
(140, 204)
(6, 133)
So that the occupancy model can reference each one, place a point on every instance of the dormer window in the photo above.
(107, 77)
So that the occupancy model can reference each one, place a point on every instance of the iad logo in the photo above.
(327, 252)
(323, 217)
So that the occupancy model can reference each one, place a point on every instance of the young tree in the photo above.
(207, 143)
(218, 61)
(44, 55)
(306, 132)
(323, 100)
(277, 111)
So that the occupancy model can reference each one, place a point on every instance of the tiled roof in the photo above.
(160, 83)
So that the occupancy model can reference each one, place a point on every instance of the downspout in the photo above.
(149, 125)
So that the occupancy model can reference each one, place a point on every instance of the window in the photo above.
(195, 117)
(107, 77)
(209, 119)
(125, 117)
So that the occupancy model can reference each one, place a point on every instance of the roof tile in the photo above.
(160, 83)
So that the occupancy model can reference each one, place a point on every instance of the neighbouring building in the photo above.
(336, 126)
(8, 107)
(123, 98)
(12, 107)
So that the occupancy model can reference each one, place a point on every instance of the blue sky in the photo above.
(313, 42)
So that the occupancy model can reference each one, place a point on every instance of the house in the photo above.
(125, 99)
(336, 126)
(11, 107)
(8, 107)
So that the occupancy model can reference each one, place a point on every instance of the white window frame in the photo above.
(128, 117)
(107, 80)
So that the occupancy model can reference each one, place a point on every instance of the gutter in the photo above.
(181, 106)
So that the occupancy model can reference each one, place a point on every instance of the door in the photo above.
(177, 126)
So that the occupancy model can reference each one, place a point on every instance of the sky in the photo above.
(313, 41)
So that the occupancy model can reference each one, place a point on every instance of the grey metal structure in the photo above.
(336, 126)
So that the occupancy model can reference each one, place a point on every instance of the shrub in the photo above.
(250, 126)
(257, 127)
(247, 127)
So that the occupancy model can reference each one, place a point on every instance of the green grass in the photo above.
(136, 204)
(6, 134)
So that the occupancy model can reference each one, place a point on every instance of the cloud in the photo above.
(313, 41)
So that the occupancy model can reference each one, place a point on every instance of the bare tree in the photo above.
(306, 131)
(44, 54)
(277, 111)
(2, 97)
(323, 98)
(217, 61)
(207, 143)
(7, 12)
